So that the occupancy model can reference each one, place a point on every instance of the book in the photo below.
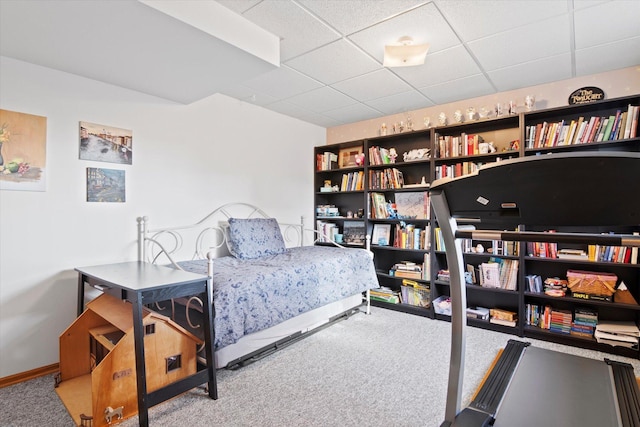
(503, 322)
(407, 274)
(497, 313)
(490, 273)
(481, 313)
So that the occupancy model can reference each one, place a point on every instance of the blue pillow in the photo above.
(254, 237)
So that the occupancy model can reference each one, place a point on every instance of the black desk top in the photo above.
(139, 276)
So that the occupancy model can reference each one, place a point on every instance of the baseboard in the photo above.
(28, 375)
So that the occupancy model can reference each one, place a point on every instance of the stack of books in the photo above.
(584, 322)
(620, 333)
(406, 270)
(560, 321)
(384, 294)
(503, 317)
(577, 254)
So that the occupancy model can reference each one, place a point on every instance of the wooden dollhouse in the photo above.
(97, 378)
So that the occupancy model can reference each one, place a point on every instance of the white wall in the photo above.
(186, 161)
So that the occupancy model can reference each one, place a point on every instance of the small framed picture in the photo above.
(347, 156)
(381, 234)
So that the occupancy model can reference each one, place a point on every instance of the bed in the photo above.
(269, 287)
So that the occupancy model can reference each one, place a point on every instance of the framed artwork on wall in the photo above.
(103, 143)
(23, 151)
(105, 185)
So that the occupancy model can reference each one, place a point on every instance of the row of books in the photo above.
(352, 181)
(380, 156)
(326, 161)
(499, 273)
(583, 322)
(456, 170)
(378, 206)
(390, 178)
(617, 254)
(456, 146)
(498, 247)
(326, 231)
(411, 237)
(621, 125)
(596, 253)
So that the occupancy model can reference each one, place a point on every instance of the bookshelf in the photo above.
(511, 136)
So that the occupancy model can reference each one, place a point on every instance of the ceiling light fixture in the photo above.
(404, 53)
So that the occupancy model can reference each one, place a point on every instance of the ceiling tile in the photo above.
(239, 6)
(449, 64)
(334, 62)
(373, 85)
(605, 57)
(353, 113)
(532, 73)
(623, 14)
(424, 24)
(288, 21)
(400, 102)
(282, 83)
(322, 99)
(350, 16)
(524, 44)
(473, 19)
(455, 90)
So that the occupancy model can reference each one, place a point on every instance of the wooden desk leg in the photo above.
(209, 339)
(141, 375)
(80, 308)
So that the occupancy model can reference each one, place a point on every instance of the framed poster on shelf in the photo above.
(347, 156)
(381, 234)
(354, 232)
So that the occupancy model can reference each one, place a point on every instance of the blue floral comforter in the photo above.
(255, 294)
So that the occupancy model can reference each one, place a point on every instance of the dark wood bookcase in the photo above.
(511, 136)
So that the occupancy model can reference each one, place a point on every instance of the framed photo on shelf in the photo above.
(381, 234)
(354, 232)
(347, 156)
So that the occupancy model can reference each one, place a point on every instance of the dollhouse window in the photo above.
(150, 329)
(174, 362)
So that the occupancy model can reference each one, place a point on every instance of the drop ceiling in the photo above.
(331, 51)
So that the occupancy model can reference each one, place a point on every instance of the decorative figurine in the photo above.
(110, 413)
(393, 154)
(529, 102)
(442, 119)
(427, 122)
(471, 113)
(383, 129)
(458, 117)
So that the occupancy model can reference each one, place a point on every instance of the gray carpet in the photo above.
(386, 369)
